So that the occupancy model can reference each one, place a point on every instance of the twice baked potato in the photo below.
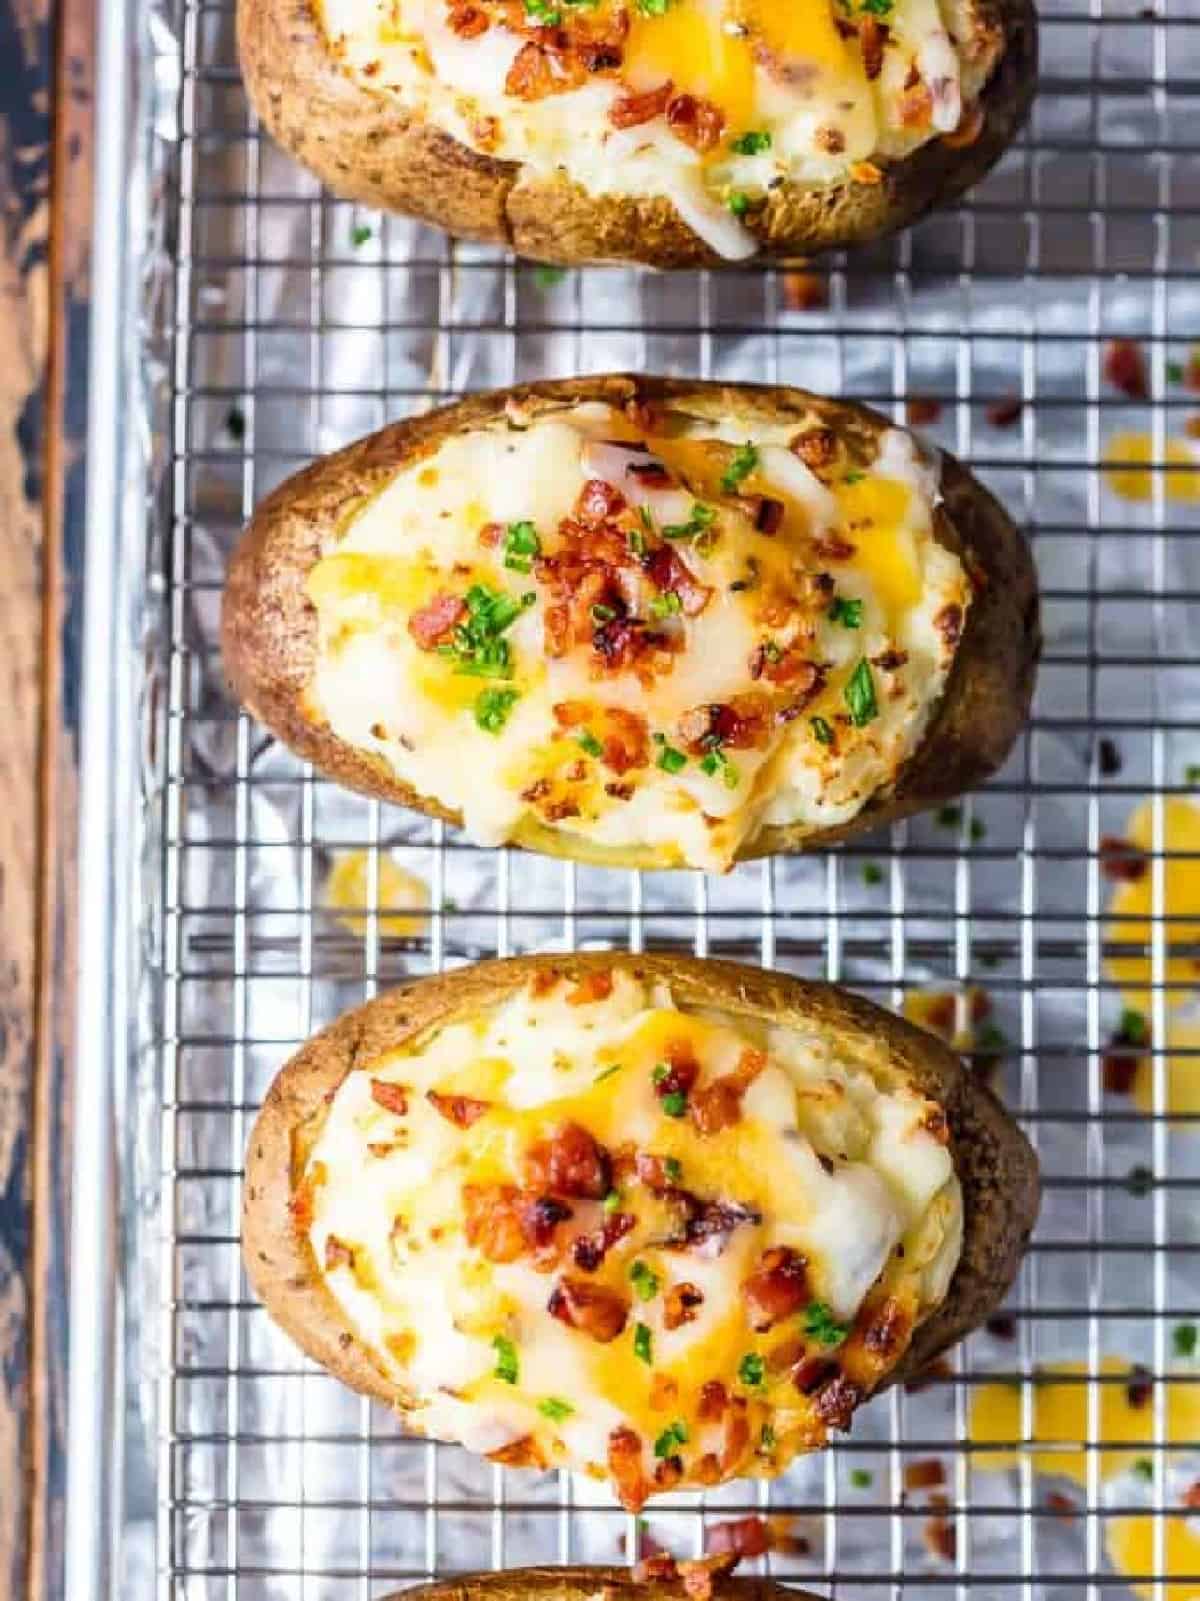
(671, 132)
(603, 1584)
(660, 1220)
(639, 622)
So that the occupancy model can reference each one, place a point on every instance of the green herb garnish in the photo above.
(542, 12)
(717, 761)
(1134, 1029)
(641, 1343)
(360, 233)
(1144, 1468)
(739, 469)
(739, 203)
(674, 1104)
(949, 816)
(548, 277)
(612, 1201)
(521, 544)
(671, 760)
(673, 1168)
(644, 1280)
(872, 873)
(653, 8)
(701, 519)
(668, 604)
(506, 1359)
(607, 1073)
(860, 1478)
(588, 742)
(846, 612)
(853, 477)
(554, 1409)
(1139, 1180)
(1184, 1339)
(766, 1440)
(672, 1437)
(822, 732)
(1191, 774)
(476, 647)
(819, 1324)
(752, 143)
(492, 708)
(1175, 372)
(751, 1370)
(859, 695)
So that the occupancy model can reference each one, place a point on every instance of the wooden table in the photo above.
(45, 136)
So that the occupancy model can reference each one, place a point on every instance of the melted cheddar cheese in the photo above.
(708, 103)
(592, 1230)
(655, 642)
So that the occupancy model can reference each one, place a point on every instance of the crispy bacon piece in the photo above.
(432, 625)
(928, 1473)
(594, 986)
(1125, 368)
(589, 1250)
(632, 110)
(624, 737)
(699, 1574)
(745, 1537)
(742, 723)
(492, 1221)
(1120, 861)
(817, 448)
(337, 1253)
(531, 77)
(709, 1227)
(594, 1309)
(777, 1288)
(696, 121)
(467, 21)
(680, 1303)
(948, 622)
(1140, 1389)
(682, 1069)
(714, 1398)
(1003, 413)
(872, 36)
(392, 1097)
(837, 1400)
(519, 1453)
(805, 291)
(719, 1104)
(671, 575)
(658, 1566)
(598, 503)
(1191, 1497)
(920, 409)
(809, 1376)
(916, 106)
(764, 511)
(540, 1217)
(887, 1328)
(940, 1538)
(461, 1110)
(736, 1439)
(570, 1162)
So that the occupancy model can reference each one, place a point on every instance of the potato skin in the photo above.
(269, 626)
(364, 148)
(584, 1583)
(995, 1164)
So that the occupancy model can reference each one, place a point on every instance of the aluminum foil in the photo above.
(275, 324)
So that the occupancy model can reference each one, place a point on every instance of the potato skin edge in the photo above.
(583, 1584)
(995, 1164)
(363, 148)
(268, 625)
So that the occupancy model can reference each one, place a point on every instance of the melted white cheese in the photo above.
(430, 1306)
(382, 692)
(781, 68)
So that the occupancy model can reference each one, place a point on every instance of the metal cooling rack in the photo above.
(255, 322)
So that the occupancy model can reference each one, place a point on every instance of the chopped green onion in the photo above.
(607, 1073)
(644, 1280)
(846, 612)
(641, 1343)
(554, 1409)
(492, 708)
(860, 696)
(674, 1435)
(673, 1168)
(668, 604)
(739, 469)
(612, 1201)
(752, 1370)
(1144, 1468)
(546, 277)
(521, 543)
(1133, 1030)
(702, 518)
(674, 1104)
(872, 873)
(738, 203)
(360, 233)
(588, 742)
(671, 760)
(1184, 1339)
(506, 1359)
(820, 1325)
(822, 732)
(752, 143)
(543, 13)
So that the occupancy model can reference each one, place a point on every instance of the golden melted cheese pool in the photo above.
(708, 103)
(589, 1229)
(656, 638)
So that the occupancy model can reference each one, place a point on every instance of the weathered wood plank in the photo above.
(45, 138)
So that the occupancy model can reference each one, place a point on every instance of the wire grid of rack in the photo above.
(295, 323)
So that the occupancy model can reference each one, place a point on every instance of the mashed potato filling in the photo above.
(707, 103)
(649, 632)
(594, 1230)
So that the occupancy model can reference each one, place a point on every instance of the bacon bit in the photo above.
(1140, 1388)
(392, 1097)
(831, 140)
(668, 572)
(467, 21)
(890, 661)
(485, 131)
(530, 76)
(764, 512)
(697, 122)
(746, 1537)
(1004, 413)
(777, 1287)
(698, 1574)
(631, 111)
(1125, 368)
(652, 1171)
(719, 1104)
(570, 1162)
(714, 1398)
(594, 986)
(522, 1453)
(381, 1148)
(682, 1069)
(1120, 861)
(937, 1125)
(832, 547)
(461, 1110)
(737, 1434)
(544, 980)
(805, 291)
(816, 447)
(948, 622)
(742, 723)
(872, 36)
(540, 1218)
(491, 534)
(633, 1488)
(926, 1474)
(492, 1221)
(940, 1538)
(970, 126)
(589, 1250)
(624, 737)
(664, 1392)
(1191, 1497)
(598, 503)
(785, 1356)
(679, 1305)
(1191, 426)
(592, 1308)
(866, 172)
(1060, 1505)
(916, 106)
(811, 1375)
(1003, 1326)
(433, 624)
(709, 1228)
(338, 1254)
(920, 409)
(888, 1329)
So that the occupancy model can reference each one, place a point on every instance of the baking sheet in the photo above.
(271, 323)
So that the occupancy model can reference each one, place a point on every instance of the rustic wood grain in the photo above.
(44, 206)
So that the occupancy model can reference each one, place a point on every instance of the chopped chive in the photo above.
(1184, 1339)
(752, 1370)
(846, 612)
(822, 732)
(674, 1435)
(641, 1343)
(588, 742)
(554, 1409)
(607, 1072)
(752, 143)
(360, 233)
(860, 1478)
(743, 464)
(820, 1325)
(612, 1201)
(671, 760)
(859, 695)
(506, 1359)
(644, 1280)
(492, 708)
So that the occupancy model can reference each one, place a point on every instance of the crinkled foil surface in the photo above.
(275, 323)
